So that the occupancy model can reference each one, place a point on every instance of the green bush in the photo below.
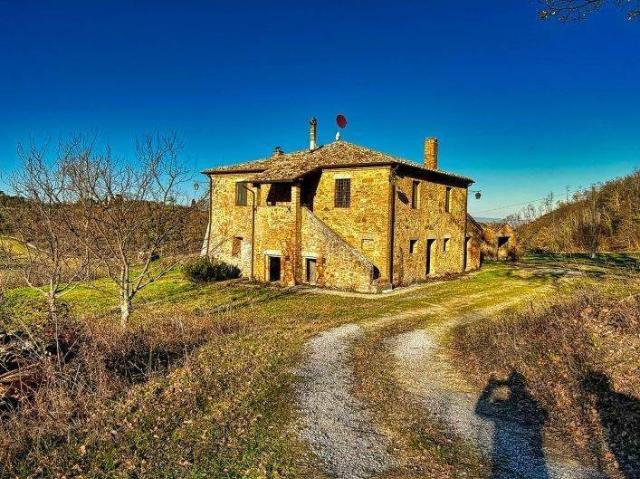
(205, 269)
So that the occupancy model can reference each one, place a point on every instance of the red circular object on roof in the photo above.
(341, 120)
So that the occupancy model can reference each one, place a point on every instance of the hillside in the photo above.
(605, 218)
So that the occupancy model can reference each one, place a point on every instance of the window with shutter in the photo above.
(241, 193)
(447, 200)
(343, 193)
(415, 194)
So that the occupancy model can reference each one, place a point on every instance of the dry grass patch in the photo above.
(580, 358)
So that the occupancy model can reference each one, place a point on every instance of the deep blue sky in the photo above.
(523, 106)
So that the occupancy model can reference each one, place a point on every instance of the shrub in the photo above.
(205, 269)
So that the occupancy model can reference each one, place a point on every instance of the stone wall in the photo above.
(475, 236)
(339, 265)
(495, 248)
(276, 236)
(365, 224)
(428, 220)
(228, 221)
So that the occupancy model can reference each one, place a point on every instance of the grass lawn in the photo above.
(227, 410)
(603, 262)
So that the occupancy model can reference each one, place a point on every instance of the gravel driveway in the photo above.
(498, 428)
(335, 423)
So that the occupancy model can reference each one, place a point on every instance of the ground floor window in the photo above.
(236, 245)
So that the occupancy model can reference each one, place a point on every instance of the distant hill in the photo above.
(6, 203)
(604, 218)
(487, 220)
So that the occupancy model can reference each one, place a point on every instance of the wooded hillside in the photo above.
(603, 218)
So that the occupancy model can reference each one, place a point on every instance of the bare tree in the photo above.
(133, 212)
(40, 244)
(569, 10)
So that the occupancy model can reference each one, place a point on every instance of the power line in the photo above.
(524, 203)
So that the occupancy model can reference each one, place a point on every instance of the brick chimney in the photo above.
(313, 134)
(431, 153)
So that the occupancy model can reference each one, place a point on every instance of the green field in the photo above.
(226, 409)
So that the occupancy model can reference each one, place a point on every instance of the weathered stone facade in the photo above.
(499, 242)
(339, 265)
(295, 229)
(475, 239)
(428, 220)
(365, 224)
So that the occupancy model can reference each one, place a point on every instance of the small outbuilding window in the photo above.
(415, 194)
(241, 193)
(343, 193)
(412, 245)
(445, 244)
(447, 200)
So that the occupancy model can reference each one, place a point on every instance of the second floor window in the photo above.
(415, 194)
(241, 193)
(343, 193)
(447, 200)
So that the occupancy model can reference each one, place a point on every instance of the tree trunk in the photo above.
(53, 316)
(53, 307)
(125, 311)
(125, 297)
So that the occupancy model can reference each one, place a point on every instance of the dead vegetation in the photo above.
(579, 357)
(602, 218)
(54, 378)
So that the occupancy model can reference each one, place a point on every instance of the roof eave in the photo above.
(267, 180)
(231, 172)
(438, 173)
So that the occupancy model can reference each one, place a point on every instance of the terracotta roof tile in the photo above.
(291, 166)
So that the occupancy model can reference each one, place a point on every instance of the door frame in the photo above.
(429, 254)
(307, 278)
(269, 257)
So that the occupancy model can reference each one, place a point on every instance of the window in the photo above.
(236, 244)
(343, 193)
(241, 193)
(447, 200)
(279, 194)
(415, 194)
(412, 245)
(367, 244)
(445, 244)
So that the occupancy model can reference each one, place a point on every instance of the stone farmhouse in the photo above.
(341, 216)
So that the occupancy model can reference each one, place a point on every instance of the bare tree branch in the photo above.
(571, 10)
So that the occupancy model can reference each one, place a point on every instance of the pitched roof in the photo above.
(292, 166)
(473, 224)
